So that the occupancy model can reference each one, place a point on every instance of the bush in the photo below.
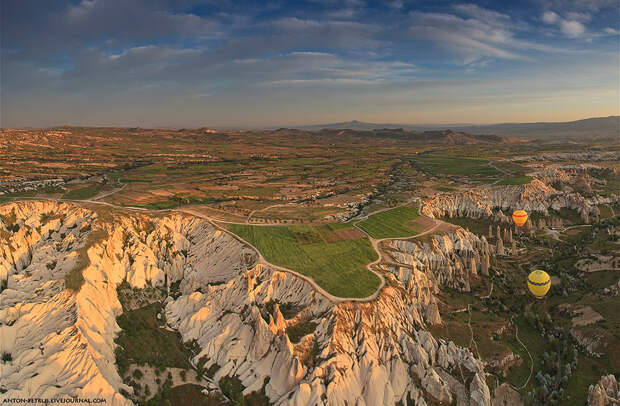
(137, 374)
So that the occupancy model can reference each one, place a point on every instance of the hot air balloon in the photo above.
(539, 282)
(519, 217)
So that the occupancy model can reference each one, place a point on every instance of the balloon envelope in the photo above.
(539, 282)
(519, 217)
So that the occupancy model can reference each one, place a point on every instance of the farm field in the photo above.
(439, 163)
(391, 223)
(335, 256)
(517, 180)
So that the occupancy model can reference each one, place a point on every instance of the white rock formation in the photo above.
(375, 353)
(536, 196)
(605, 393)
(61, 342)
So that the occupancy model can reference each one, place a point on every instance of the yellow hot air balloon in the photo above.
(519, 217)
(539, 282)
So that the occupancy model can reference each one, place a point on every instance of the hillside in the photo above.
(592, 127)
(443, 137)
(597, 127)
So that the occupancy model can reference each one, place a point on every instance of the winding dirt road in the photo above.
(261, 259)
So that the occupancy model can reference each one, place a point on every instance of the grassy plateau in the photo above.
(391, 223)
(335, 257)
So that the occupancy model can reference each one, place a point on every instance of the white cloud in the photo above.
(611, 31)
(572, 28)
(550, 17)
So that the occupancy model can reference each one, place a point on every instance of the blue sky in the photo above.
(192, 63)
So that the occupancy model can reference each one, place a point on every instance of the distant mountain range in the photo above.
(599, 127)
(447, 137)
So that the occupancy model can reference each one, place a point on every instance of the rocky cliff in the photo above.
(605, 393)
(61, 340)
(536, 196)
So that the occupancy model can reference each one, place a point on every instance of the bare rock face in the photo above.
(500, 246)
(61, 341)
(590, 156)
(444, 262)
(537, 196)
(605, 393)
(613, 289)
(591, 340)
(505, 395)
(368, 353)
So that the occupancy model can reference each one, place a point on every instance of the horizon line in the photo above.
(300, 126)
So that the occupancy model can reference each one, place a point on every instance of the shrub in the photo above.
(137, 374)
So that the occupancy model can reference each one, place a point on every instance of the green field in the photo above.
(517, 180)
(392, 223)
(456, 165)
(83, 193)
(338, 265)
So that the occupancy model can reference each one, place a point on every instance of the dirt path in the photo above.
(261, 259)
(110, 193)
(492, 165)
(247, 220)
(365, 216)
(490, 292)
(528, 353)
(471, 331)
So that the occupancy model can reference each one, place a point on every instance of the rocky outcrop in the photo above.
(61, 342)
(504, 364)
(613, 289)
(445, 261)
(588, 156)
(366, 353)
(505, 395)
(592, 340)
(605, 393)
(537, 196)
(377, 353)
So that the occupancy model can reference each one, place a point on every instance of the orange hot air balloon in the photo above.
(519, 217)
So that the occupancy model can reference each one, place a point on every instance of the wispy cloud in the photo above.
(222, 56)
(472, 33)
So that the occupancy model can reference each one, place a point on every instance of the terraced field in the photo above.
(335, 256)
(391, 223)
